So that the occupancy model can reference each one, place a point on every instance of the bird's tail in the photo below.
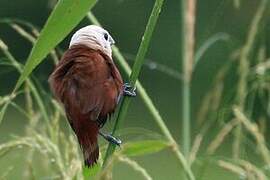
(87, 133)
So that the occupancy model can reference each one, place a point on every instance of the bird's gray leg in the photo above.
(129, 90)
(111, 138)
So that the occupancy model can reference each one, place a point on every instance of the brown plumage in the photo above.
(89, 85)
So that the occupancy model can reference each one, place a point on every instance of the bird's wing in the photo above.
(79, 80)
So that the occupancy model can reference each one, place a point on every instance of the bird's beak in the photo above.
(112, 42)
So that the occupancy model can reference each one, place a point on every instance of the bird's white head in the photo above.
(94, 37)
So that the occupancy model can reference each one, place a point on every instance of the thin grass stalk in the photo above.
(233, 168)
(20, 110)
(188, 29)
(244, 169)
(29, 130)
(139, 60)
(254, 130)
(225, 131)
(211, 101)
(135, 166)
(150, 105)
(185, 86)
(257, 172)
(207, 45)
(244, 69)
(32, 87)
(3, 111)
(28, 100)
(152, 65)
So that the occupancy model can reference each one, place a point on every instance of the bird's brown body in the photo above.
(89, 85)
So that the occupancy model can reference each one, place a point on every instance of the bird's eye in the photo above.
(106, 36)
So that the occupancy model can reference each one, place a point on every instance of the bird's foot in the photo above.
(129, 90)
(111, 138)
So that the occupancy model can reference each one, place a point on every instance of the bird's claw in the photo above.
(129, 90)
(110, 138)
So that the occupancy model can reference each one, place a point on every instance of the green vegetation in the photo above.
(223, 126)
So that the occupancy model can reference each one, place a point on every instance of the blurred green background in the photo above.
(126, 20)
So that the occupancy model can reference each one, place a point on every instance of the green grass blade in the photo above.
(136, 69)
(66, 15)
(143, 147)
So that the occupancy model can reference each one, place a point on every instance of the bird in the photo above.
(88, 84)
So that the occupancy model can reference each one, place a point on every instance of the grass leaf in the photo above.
(144, 147)
(66, 15)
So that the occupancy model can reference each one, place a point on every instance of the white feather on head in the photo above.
(94, 37)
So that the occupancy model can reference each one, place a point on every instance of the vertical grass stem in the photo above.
(188, 31)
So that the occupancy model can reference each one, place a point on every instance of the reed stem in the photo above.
(139, 60)
(188, 29)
